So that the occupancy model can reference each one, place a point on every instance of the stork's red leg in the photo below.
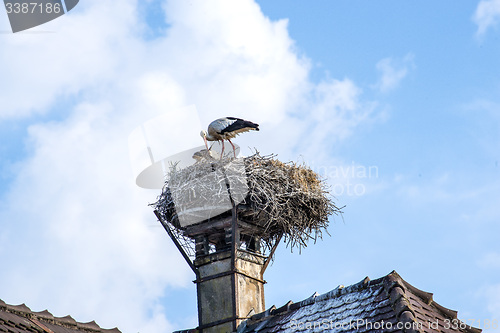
(234, 149)
(222, 152)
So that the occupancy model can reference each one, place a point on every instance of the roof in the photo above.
(388, 304)
(20, 319)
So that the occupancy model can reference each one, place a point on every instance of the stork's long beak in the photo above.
(206, 144)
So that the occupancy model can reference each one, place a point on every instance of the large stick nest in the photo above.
(279, 199)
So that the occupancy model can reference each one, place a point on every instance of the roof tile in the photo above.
(21, 309)
(67, 320)
(20, 319)
(90, 326)
(45, 315)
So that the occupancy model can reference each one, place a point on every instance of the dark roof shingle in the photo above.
(20, 319)
(388, 304)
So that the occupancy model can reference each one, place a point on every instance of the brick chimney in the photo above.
(226, 296)
(230, 285)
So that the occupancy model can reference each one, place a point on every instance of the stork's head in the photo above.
(203, 134)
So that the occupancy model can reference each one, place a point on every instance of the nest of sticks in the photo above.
(279, 199)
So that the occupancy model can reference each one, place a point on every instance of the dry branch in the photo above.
(278, 198)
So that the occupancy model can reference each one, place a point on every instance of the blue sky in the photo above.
(409, 89)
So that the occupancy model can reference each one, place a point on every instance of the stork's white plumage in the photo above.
(226, 129)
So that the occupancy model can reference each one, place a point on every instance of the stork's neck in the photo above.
(209, 137)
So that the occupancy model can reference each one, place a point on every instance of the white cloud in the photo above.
(392, 71)
(84, 229)
(75, 229)
(334, 110)
(84, 49)
(487, 15)
(248, 60)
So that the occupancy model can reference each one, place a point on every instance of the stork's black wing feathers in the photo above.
(239, 124)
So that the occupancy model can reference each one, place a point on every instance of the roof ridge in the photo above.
(44, 315)
(341, 291)
(18, 309)
(40, 317)
(316, 297)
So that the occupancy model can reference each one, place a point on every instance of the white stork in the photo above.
(226, 129)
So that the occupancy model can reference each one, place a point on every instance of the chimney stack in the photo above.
(230, 285)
